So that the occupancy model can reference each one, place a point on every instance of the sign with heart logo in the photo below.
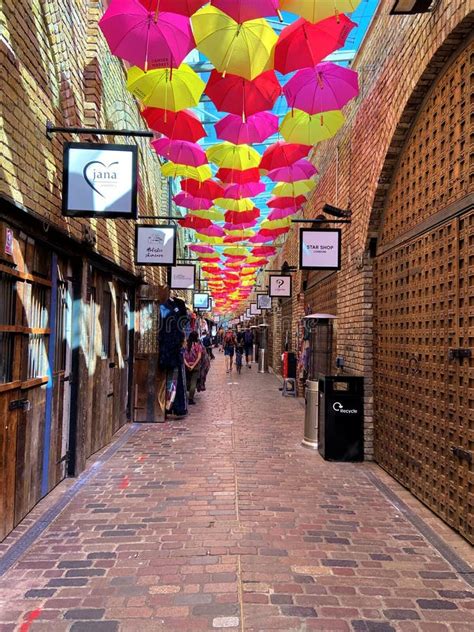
(280, 285)
(155, 245)
(100, 180)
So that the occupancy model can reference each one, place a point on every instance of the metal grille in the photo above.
(423, 306)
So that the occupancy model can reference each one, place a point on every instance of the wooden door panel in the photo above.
(8, 430)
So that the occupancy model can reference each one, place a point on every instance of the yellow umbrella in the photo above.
(206, 255)
(276, 223)
(213, 214)
(236, 251)
(293, 189)
(316, 10)
(243, 233)
(209, 240)
(167, 88)
(308, 129)
(244, 204)
(229, 156)
(245, 49)
(173, 170)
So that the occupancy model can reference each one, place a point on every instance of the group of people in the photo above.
(238, 344)
(197, 361)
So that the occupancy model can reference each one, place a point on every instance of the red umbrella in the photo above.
(196, 223)
(263, 251)
(273, 232)
(238, 191)
(260, 238)
(240, 96)
(286, 202)
(303, 45)
(184, 125)
(231, 239)
(184, 7)
(234, 176)
(282, 154)
(208, 189)
(242, 217)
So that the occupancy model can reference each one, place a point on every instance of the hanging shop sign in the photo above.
(320, 249)
(183, 277)
(155, 245)
(264, 301)
(8, 248)
(254, 311)
(100, 180)
(247, 313)
(280, 285)
(201, 301)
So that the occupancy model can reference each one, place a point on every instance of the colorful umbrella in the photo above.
(196, 223)
(286, 202)
(281, 213)
(237, 217)
(172, 170)
(240, 96)
(263, 251)
(244, 204)
(242, 233)
(201, 249)
(234, 176)
(287, 189)
(241, 49)
(317, 10)
(193, 203)
(261, 238)
(283, 154)
(237, 191)
(214, 214)
(255, 129)
(183, 125)
(209, 189)
(300, 170)
(244, 10)
(212, 231)
(230, 228)
(232, 156)
(148, 39)
(182, 88)
(228, 239)
(325, 87)
(180, 151)
(274, 232)
(184, 7)
(209, 239)
(300, 127)
(303, 45)
(236, 252)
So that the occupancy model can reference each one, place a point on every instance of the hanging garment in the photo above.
(173, 321)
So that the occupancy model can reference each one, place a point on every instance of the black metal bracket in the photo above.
(321, 220)
(97, 131)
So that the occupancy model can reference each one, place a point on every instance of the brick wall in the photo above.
(55, 65)
(398, 62)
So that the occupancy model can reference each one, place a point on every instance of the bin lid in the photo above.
(319, 316)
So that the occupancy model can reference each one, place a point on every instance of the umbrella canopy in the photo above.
(244, 10)
(182, 88)
(300, 170)
(287, 189)
(209, 239)
(189, 201)
(235, 176)
(209, 189)
(263, 251)
(244, 204)
(183, 125)
(237, 191)
(317, 10)
(282, 154)
(281, 213)
(212, 231)
(255, 129)
(229, 239)
(242, 49)
(184, 7)
(232, 156)
(261, 238)
(180, 151)
(274, 232)
(201, 249)
(241, 234)
(148, 39)
(240, 96)
(300, 127)
(173, 170)
(231, 228)
(325, 87)
(214, 214)
(236, 252)
(196, 223)
(303, 45)
(286, 202)
(237, 217)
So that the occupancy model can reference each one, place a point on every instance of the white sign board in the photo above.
(155, 245)
(183, 277)
(264, 301)
(100, 180)
(320, 249)
(201, 301)
(254, 311)
(280, 286)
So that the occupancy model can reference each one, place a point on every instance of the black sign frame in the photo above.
(320, 230)
(175, 236)
(182, 265)
(274, 276)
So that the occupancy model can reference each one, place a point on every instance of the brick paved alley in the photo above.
(222, 521)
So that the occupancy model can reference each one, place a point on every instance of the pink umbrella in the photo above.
(193, 203)
(281, 213)
(325, 87)
(300, 170)
(201, 249)
(185, 7)
(213, 231)
(180, 151)
(263, 251)
(243, 10)
(261, 238)
(286, 202)
(256, 128)
(231, 226)
(148, 39)
(238, 191)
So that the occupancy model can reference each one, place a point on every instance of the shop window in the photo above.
(37, 317)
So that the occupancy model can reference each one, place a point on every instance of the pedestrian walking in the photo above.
(248, 345)
(207, 344)
(229, 349)
(192, 360)
(239, 353)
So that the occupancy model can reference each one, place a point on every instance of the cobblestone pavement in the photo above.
(224, 522)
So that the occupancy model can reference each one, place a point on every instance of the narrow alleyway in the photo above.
(222, 521)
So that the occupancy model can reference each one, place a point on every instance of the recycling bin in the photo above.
(341, 418)
(311, 415)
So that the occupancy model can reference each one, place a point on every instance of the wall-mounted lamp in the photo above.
(411, 7)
